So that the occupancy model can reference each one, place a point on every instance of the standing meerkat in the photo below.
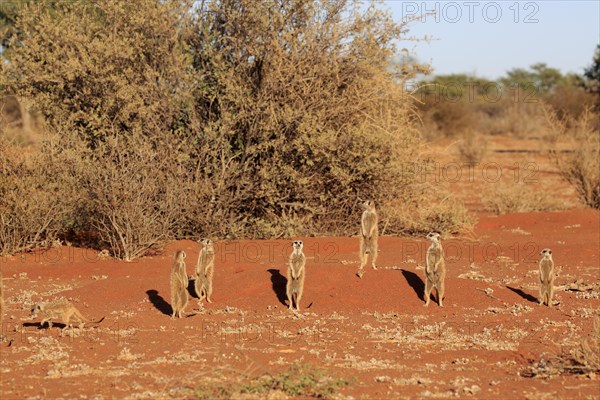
(205, 269)
(61, 311)
(295, 274)
(179, 284)
(546, 277)
(1, 306)
(369, 234)
(435, 268)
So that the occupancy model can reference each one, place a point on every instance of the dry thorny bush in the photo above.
(229, 118)
(33, 199)
(581, 166)
(133, 195)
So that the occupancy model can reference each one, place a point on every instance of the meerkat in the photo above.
(1, 305)
(205, 269)
(295, 274)
(179, 284)
(547, 276)
(435, 268)
(369, 234)
(61, 311)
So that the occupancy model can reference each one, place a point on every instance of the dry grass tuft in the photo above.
(430, 207)
(512, 197)
(583, 360)
(587, 355)
(298, 380)
(472, 148)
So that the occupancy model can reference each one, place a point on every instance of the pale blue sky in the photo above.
(564, 36)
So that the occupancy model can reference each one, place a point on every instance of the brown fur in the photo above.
(296, 274)
(547, 277)
(435, 269)
(1, 305)
(179, 284)
(369, 236)
(205, 269)
(61, 311)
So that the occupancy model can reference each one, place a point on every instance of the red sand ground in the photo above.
(375, 329)
(481, 344)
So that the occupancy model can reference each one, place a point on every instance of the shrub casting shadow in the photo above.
(279, 283)
(159, 303)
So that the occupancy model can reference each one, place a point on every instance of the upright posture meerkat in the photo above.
(1, 305)
(546, 277)
(435, 268)
(61, 311)
(179, 284)
(369, 233)
(205, 269)
(295, 274)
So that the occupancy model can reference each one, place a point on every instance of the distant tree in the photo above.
(518, 77)
(592, 73)
(546, 78)
(457, 87)
(572, 80)
(540, 76)
(448, 101)
(592, 77)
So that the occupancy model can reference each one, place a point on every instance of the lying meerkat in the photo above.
(179, 284)
(435, 268)
(369, 235)
(295, 274)
(205, 269)
(61, 311)
(547, 276)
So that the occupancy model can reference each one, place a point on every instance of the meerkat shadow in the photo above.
(191, 288)
(279, 283)
(524, 295)
(415, 282)
(159, 303)
(46, 325)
